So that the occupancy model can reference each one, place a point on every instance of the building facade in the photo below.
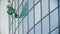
(38, 17)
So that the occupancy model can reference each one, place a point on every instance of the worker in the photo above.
(11, 10)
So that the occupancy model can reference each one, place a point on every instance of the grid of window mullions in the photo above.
(27, 14)
(39, 20)
(28, 11)
(43, 18)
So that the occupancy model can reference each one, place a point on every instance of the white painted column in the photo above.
(4, 17)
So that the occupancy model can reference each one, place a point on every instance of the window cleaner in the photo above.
(11, 10)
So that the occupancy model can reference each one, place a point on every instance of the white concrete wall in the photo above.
(3, 17)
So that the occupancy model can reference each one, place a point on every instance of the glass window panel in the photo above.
(37, 13)
(31, 23)
(45, 25)
(25, 1)
(13, 4)
(36, 1)
(17, 31)
(59, 2)
(30, 4)
(24, 9)
(54, 19)
(16, 22)
(20, 10)
(10, 20)
(20, 28)
(20, 20)
(38, 28)
(20, 1)
(32, 31)
(10, 25)
(25, 25)
(11, 30)
(16, 4)
(53, 4)
(44, 7)
(55, 32)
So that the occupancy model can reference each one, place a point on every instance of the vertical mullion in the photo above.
(49, 15)
(28, 23)
(27, 20)
(18, 14)
(15, 18)
(12, 24)
(58, 17)
(12, 19)
(34, 15)
(41, 16)
(9, 25)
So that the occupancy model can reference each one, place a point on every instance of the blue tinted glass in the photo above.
(54, 19)
(45, 25)
(31, 23)
(55, 32)
(30, 4)
(44, 7)
(37, 13)
(36, 1)
(25, 25)
(38, 28)
(32, 31)
(53, 4)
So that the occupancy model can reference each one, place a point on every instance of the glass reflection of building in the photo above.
(40, 17)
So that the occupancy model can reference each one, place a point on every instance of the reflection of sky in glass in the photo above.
(25, 25)
(44, 7)
(53, 4)
(30, 2)
(37, 13)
